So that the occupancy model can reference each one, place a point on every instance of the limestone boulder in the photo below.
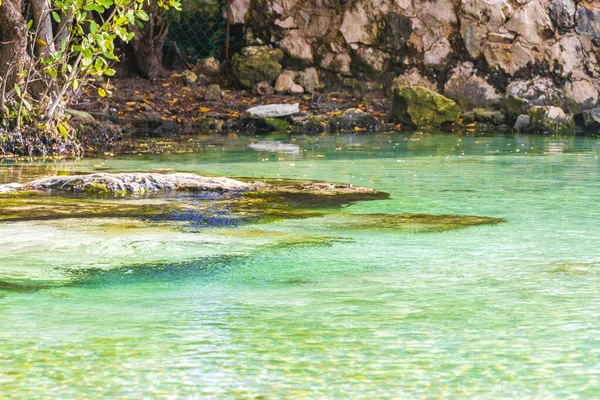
(522, 123)
(469, 90)
(256, 64)
(566, 57)
(509, 57)
(580, 96)
(588, 19)
(532, 22)
(521, 95)
(358, 26)
(309, 80)
(480, 18)
(339, 63)
(413, 77)
(374, 60)
(591, 118)
(423, 108)
(438, 53)
(297, 47)
(562, 13)
(551, 120)
(237, 10)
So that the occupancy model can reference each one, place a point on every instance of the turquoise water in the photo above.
(503, 311)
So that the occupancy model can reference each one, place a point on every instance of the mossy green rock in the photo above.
(277, 124)
(423, 108)
(256, 64)
(551, 120)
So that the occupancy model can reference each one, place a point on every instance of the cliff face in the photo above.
(477, 52)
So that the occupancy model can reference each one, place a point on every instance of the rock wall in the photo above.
(509, 54)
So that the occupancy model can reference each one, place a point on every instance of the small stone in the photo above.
(352, 115)
(213, 93)
(263, 89)
(309, 80)
(189, 77)
(522, 123)
(208, 66)
(285, 81)
(296, 89)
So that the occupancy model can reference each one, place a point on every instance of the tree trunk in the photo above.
(13, 43)
(148, 42)
(43, 23)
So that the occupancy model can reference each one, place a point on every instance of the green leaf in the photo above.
(55, 16)
(141, 14)
(106, 3)
(94, 7)
(93, 27)
(87, 57)
(109, 55)
(62, 130)
(109, 72)
(101, 92)
(99, 64)
(29, 24)
(52, 72)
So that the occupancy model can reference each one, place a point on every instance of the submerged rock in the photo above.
(422, 107)
(414, 223)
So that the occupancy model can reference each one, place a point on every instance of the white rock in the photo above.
(274, 110)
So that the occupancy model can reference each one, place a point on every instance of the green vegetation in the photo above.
(62, 50)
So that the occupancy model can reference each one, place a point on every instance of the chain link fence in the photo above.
(199, 30)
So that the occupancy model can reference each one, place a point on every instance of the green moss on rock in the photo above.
(423, 108)
(94, 188)
(277, 124)
(551, 120)
(256, 64)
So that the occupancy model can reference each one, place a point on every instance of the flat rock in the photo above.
(274, 110)
(144, 183)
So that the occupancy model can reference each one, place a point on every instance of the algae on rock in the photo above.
(423, 108)
(256, 64)
(551, 120)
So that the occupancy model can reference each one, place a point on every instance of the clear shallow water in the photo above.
(504, 311)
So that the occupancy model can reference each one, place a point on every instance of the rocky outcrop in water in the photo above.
(481, 54)
(144, 183)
